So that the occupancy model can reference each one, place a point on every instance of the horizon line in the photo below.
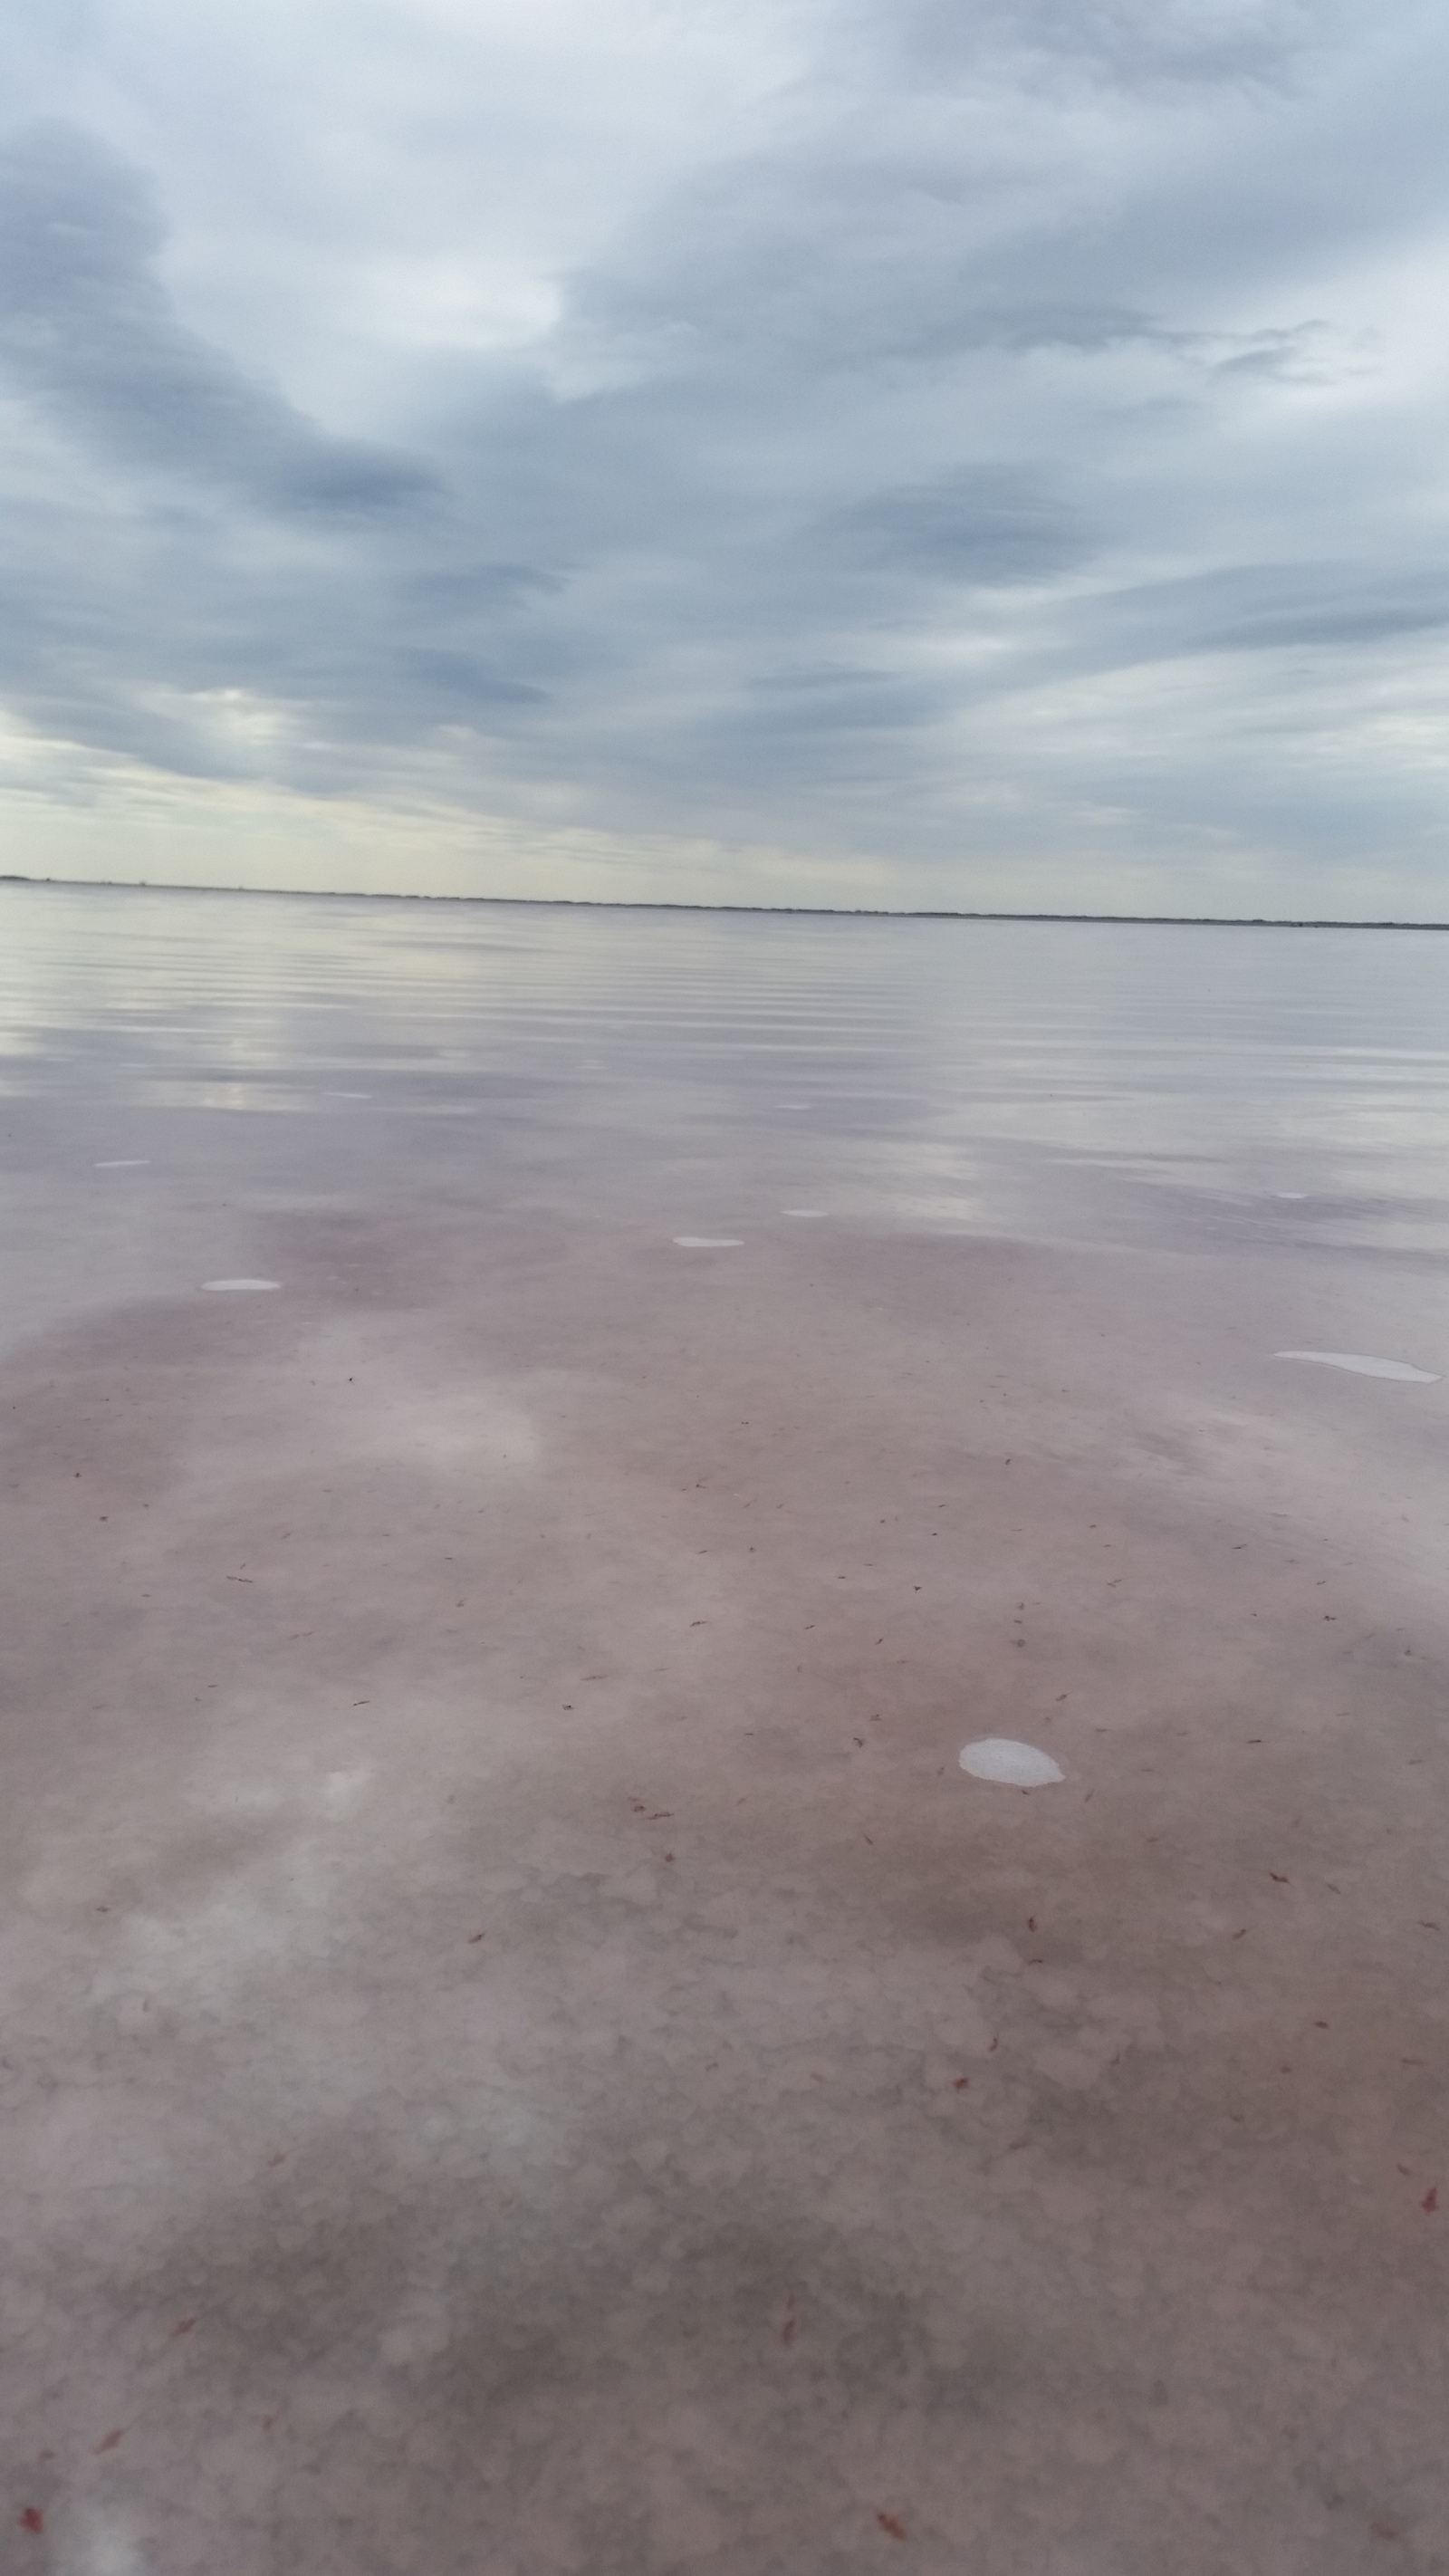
(787, 911)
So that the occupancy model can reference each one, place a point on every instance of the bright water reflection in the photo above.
(1072, 1081)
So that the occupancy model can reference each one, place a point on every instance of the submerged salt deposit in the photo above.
(1364, 1365)
(1019, 1766)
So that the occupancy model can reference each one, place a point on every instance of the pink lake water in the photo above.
(526, 2049)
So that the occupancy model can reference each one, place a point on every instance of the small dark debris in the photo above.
(889, 2521)
(112, 2440)
(32, 2519)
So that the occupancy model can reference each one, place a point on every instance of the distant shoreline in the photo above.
(773, 911)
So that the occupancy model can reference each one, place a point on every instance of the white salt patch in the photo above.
(422, 2336)
(709, 1242)
(1363, 1366)
(124, 1163)
(110, 2546)
(223, 1286)
(342, 1791)
(1021, 1766)
(803, 1211)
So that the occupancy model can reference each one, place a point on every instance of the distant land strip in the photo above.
(787, 911)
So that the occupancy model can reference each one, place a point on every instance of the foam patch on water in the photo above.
(1021, 1766)
(1290, 1194)
(124, 1163)
(804, 1211)
(1363, 1365)
(224, 1287)
(347, 1095)
(709, 1242)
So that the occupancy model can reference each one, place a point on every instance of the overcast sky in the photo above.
(962, 452)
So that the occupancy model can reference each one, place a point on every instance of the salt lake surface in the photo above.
(527, 2047)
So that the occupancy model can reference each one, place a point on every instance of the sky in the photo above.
(976, 454)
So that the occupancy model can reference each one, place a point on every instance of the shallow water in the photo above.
(523, 2029)
(1117, 1083)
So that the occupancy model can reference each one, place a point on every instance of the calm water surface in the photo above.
(1059, 1081)
(499, 1932)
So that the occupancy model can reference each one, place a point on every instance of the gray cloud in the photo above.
(863, 478)
(1133, 43)
(1264, 606)
(88, 327)
(993, 526)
